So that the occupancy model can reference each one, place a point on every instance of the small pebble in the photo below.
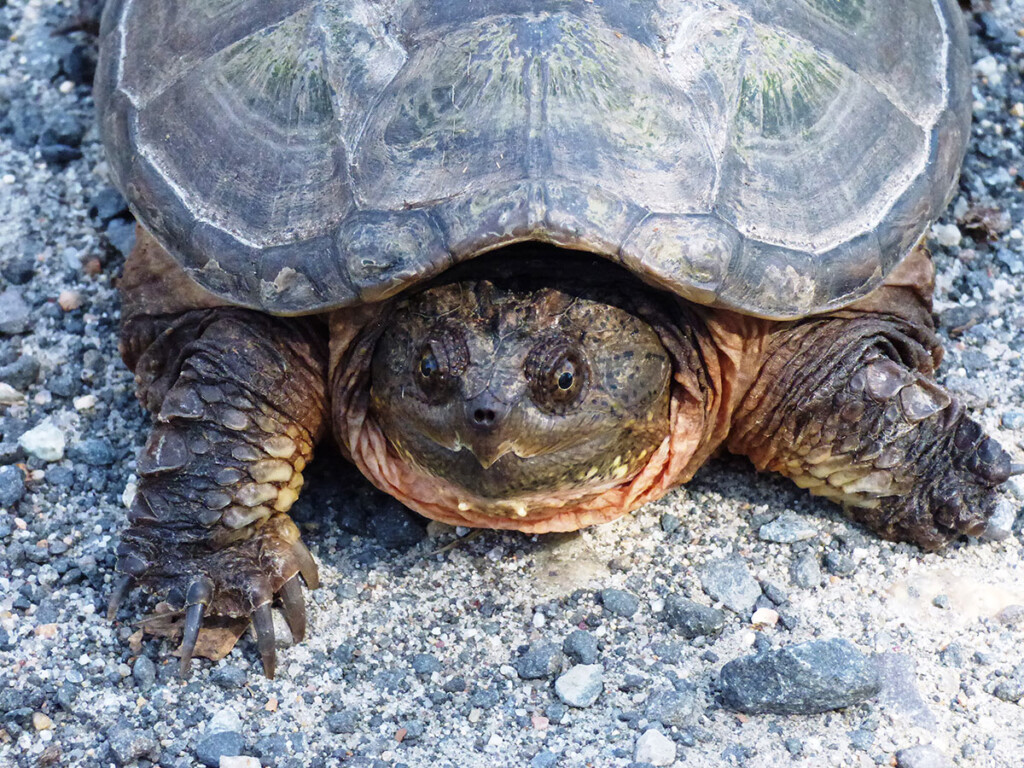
(806, 572)
(787, 528)
(541, 659)
(144, 673)
(12, 486)
(84, 402)
(41, 721)
(210, 749)
(672, 707)
(922, 756)
(729, 581)
(45, 442)
(692, 619)
(765, 617)
(15, 315)
(619, 602)
(9, 395)
(69, 300)
(581, 685)
(655, 748)
(580, 646)
(946, 235)
(425, 664)
(239, 761)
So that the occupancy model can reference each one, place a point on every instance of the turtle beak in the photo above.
(485, 436)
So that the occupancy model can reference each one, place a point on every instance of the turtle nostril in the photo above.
(484, 417)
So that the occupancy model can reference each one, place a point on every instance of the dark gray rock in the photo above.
(129, 744)
(210, 749)
(580, 646)
(806, 678)
(20, 269)
(619, 602)
(108, 204)
(922, 756)
(121, 235)
(899, 696)
(544, 759)
(345, 721)
(806, 572)
(729, 581)
(62, 128)
(425, 664)
(839, 564)
(144, 673)
(1012, 687)
(95, 452)
(541, 659)
(692, 619)
(12, 486)
(14, 312)
(22, 373)
(672, 707)
(229, 677)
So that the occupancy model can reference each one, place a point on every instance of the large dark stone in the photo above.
(800, 679)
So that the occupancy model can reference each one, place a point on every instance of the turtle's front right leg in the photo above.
(847, 407)
(239, 400)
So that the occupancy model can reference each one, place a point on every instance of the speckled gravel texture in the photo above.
(413, 655)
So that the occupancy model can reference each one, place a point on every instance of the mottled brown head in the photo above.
(509, 388)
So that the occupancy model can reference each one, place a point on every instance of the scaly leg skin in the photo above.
(239, 401)
(846, 406)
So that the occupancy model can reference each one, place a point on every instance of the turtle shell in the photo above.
(777, 158)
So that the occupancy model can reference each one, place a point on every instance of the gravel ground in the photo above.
(424, 658)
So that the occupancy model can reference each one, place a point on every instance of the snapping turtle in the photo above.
(531, 262)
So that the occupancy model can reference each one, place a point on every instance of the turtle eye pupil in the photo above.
(428, 364)
(565, 381)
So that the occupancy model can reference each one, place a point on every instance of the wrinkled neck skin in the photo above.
(712, 361)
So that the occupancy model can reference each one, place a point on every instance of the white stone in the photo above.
(224, 720)
(988, 68)
(947, 235)
(9, 395)
(581, 685)
(45, 442)
(128, 495)
(655, 748)
(239, 761)
(84, 402)
(765, 617)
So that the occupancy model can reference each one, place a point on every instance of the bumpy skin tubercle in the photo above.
(239, 400)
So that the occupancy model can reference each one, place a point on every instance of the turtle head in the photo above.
(513, 390)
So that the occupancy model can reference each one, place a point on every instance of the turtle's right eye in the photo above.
(441, 360)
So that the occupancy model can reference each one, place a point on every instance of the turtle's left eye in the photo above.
(556, 372)
(443, 357)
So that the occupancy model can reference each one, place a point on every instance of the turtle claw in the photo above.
(293, 604)
(193, 622)
(118, 595)
(263, 623)
(307, 565)
(199, 594)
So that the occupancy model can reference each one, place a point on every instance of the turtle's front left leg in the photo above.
(239, 400)
(846, 406)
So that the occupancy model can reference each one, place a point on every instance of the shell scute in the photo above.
(777, 158)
